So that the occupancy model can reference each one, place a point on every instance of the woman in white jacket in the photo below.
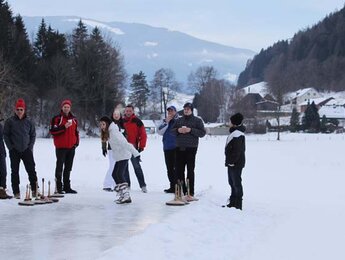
(122, 151)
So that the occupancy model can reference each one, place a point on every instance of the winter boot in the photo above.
(238, 203)
(124, 196)
(67, 188)
(3, 194)
(232, 202)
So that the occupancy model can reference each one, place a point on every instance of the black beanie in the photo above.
(105, 119)
(188, 104)
(236, 119)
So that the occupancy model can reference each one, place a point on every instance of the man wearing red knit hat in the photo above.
(20, 136)
(64, 129)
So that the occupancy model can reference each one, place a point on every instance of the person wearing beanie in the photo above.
(169, 146)
(188, 130)
(20, 136)
(122, 151)
(64, 129)
(235, 159)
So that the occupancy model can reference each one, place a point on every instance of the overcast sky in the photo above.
(250, 24)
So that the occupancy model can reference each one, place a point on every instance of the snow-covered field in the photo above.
(293, 208)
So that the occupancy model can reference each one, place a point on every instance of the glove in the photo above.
(104, 149)
(140, 149)
(139, 158)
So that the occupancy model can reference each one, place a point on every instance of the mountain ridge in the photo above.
(150, 48)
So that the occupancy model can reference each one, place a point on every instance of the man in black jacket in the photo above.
(3, 169)
(188, 129)
(235, 159)
(20, 136)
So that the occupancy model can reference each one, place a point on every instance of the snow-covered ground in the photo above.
(293, 208)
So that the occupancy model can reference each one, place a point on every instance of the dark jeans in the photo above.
(3, 172)
(119, 171)
(170, 161)
(235, 182)
(186, 157)
(64, 163)
(29, 164)
(138, 172)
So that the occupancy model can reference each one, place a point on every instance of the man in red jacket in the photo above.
(136, 135)
(64, 129)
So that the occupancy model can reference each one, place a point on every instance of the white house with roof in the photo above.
(333, 109)
(301, 95)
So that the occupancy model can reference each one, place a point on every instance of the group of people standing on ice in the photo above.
(123, 139)
(19, 135)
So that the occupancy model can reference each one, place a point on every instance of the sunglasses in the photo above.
(20, 109)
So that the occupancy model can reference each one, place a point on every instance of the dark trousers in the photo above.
(235, 182)
(29, 164)
(119, 171)
(186, 157)
(3, 172)
(170, 161)
(138, 172)
(64, 163)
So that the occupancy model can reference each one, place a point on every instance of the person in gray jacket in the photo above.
(20, 136)
(188, 130)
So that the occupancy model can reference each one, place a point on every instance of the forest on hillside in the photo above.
(88, 68)
(314, 57)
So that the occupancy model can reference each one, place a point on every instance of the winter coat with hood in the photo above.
(122, 149)
(235, 147)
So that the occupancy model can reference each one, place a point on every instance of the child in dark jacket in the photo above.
(235, 159)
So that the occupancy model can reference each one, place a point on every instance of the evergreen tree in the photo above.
(6, 30)
(139, 91)
(41, 41)
(294, 121)
(311, 119)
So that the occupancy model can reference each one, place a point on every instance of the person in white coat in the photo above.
(108, 183)
(122, 152)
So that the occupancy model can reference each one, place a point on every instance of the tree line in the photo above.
(314, 57)
(88, 68)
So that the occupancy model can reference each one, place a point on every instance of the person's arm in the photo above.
(76, 132)
(32, 134)
(199, 130)
(142, 138)
(56, 128)
(7, 134)
(162, 128)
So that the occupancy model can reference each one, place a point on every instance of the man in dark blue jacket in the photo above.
(169, 146)
(20, 136)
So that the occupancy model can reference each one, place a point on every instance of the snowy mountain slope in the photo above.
(149, 48)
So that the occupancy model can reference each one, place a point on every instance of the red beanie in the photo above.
(66, 101)
(20, 103)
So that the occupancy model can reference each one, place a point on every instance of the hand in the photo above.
(140, 149)
(139, 158)
(68, 124)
